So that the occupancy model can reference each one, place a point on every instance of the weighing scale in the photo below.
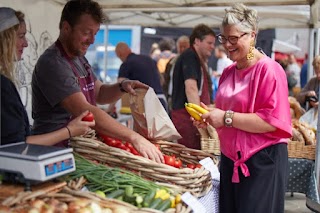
(31, 164)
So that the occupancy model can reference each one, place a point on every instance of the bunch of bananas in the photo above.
(195, 110)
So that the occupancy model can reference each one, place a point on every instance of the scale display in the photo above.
(57, 167)
(36, 163)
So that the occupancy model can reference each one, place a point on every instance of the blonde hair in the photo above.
(8, 39)
(8, 52)
(316, 62)
(246, 18)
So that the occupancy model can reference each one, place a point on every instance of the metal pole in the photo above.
(310, 53)
(105, 58)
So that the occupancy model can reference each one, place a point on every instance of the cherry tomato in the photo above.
(121, 146)
(114, 143)
(191, 166)
(89, 117)
(169, 160)
(198, 165)
(134, 151)
(128, 144)
(178, 163)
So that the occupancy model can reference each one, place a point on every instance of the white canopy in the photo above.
(188, 13)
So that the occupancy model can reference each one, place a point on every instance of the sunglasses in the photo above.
(232, 39)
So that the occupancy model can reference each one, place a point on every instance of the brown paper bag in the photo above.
(150, 118)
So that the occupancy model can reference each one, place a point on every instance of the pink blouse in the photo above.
(261, 89)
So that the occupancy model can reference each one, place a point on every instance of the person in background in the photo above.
(63, 84)
(183, 43)
(253, 134)
(14, 120)
(309, 95)
(166, 46)
(191, 83)
(294, 70)
(222, 63)
(141, 68)
(304, 72)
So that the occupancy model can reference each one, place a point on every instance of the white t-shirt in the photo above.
(223, 63)
(295, 70)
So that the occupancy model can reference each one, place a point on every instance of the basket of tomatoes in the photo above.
(181, 170)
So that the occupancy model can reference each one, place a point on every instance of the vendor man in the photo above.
(63, 84)
(191, 83)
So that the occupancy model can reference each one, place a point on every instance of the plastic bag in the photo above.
(150, 118)
(310, 117)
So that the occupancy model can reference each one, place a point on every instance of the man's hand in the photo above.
(130, 85)
(147, 149)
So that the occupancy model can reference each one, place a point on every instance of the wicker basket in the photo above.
(197, 181)
(209, 140)
(22, 202)
(298, 149)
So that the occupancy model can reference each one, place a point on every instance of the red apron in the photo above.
(181, 118)
(86, 83)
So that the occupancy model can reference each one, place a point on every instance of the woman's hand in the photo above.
(130, 85)
(215, 116)
(78, 127)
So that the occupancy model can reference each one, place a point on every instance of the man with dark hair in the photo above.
(63, 84)
(191, 83)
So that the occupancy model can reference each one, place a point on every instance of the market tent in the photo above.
(188, 13)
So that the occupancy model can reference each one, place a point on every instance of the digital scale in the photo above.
(30, 164)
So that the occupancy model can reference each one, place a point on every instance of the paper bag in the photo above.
(150, 118)
(310, 117)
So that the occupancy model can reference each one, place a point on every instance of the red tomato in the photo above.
(198, 165)
(191, 166)
(113, 142)
(121, 146)
(88, 117)
(128, 144)
(134, 151)
(178, 163)
(169, 160)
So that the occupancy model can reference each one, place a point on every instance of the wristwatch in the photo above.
(228, 118)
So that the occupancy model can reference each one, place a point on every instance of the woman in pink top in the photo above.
(252, 118)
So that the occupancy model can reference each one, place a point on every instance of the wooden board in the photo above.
(7, 190)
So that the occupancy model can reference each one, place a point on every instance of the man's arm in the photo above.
(107, 93)
(192, 91)
(77, 103)
(111, 105)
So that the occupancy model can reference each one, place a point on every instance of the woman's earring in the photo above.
(250, 54)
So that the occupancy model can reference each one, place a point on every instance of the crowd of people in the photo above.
(251, 113)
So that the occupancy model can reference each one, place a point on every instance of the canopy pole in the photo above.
(105, 57)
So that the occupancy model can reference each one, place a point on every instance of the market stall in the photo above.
(151, 12)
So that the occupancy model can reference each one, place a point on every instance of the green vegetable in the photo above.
(154, 204)
(129, 199)
(147, 199)
(107, 179)
(129, 190)
(164, 205)
(116, 193)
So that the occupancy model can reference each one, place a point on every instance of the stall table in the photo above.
(302, 178)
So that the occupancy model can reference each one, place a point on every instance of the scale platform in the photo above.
(35, 163)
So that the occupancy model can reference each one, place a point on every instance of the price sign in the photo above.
(208, 164)
(193, 203)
